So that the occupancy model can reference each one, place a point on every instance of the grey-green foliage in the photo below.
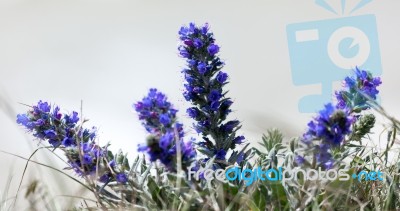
(270, 195)
(272, 147)
(152, 187)
(362, 127)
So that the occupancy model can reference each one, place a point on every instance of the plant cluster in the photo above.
(336, 138)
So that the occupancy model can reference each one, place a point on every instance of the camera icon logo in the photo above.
(325, 51)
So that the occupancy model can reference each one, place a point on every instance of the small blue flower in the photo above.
(225, 106)
(166, 140)
(147, 103)
(350, 82)
(172, 112)
(105, 178)
(214, 106)
(142, 148)
(71, 119)
(189, 78)
(111, 163)
(189, 96)
(202, 67)
(238, 140)
(43, 107)
(214, 95)
(56, 113)
(187, 148)
(164, 119)
(213, 49)
(179, 129)
(23, 120)
(203, 125)
(39, 122)
(197, 43)
(87, 159)
(198, 90)
(192, 62)
(183, 32)
(299, 160)
(89, 134)
(188, 88)
(222, 77)
(192, 112)
(50, 134)
(183, 52)
(68, 141)
(204, 29)
(122, 178)
(86, 147)
(229, 126)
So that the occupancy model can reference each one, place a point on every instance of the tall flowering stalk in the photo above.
(204, 88)
(62, 131)
(159, 119)
(335, 122)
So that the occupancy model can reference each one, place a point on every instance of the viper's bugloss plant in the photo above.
(204, 88)
(309, 169)
(62, 131)
(334, 122)
(356, 90)
(159, 118)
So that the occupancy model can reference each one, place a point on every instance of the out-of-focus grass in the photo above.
(5, 201)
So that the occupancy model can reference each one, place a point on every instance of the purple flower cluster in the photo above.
(334, 122)
(62, 131)
(204, 89)
(330, 127)
(159, 118)
(84, 159)
(155, 112)
(58, 129)
(355, 88)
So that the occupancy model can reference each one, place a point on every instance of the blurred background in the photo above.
(107, 54)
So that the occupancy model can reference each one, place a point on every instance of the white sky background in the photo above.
(109, 53)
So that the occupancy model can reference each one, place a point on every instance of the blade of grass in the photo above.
(50, 167)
